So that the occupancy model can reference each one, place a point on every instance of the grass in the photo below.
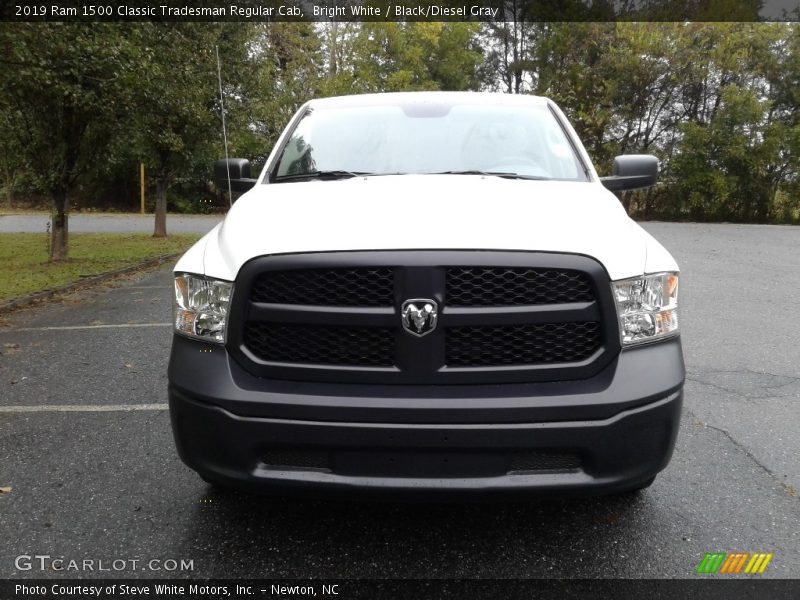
(23, 258)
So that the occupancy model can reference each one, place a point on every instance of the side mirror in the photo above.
(239, 169)
(631, 172)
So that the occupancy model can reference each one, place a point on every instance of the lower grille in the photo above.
(313, 344)
(296, 458)
(381, 462)
(537, 461)
(521, 344)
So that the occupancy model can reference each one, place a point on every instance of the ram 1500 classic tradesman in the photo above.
(428, 292)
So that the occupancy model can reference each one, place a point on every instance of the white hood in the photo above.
(425, 212)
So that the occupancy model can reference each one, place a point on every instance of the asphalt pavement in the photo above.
(86, 446)
(37, 222)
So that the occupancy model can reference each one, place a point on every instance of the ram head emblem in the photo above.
(419, 316)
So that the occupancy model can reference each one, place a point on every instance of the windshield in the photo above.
(430, 137)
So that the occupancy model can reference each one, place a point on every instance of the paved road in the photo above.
(107, 484)
(108, 223)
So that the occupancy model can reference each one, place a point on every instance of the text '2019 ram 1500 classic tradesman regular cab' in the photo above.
(428, 292)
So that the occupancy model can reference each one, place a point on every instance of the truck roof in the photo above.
(393, 98)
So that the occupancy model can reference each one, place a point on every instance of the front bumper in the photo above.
(601, 435)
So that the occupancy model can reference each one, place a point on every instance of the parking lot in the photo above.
(87, 449)
(38, 222)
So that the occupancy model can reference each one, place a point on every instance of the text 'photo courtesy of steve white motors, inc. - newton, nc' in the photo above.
(162, 590)
(302, 11)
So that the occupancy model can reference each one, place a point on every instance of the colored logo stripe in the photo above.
(721, 562)
(711, 562)
(758, 563)
(734, 562)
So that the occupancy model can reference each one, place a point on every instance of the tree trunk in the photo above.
(59, 233)
(333, 67)
(161, 209)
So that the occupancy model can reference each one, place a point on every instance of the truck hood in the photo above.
(426, 212)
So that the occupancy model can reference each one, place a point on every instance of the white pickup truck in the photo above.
(428, 293)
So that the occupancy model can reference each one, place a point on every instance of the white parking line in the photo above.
(73, 327)
(82, 408)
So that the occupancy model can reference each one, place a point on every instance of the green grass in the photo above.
(23, 258)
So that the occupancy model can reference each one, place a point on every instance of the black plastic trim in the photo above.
(421, 274)
(635, 377)
(610, 455)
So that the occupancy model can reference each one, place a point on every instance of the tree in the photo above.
(389, 57)
(509, 61)
(62, 89)
(455, 56)
(176, 101)
(731, 155)
(286, 70)
(718, 103)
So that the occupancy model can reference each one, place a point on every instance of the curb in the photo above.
(86, 282)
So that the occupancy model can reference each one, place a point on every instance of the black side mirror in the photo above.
(239, 170)
(631, 172)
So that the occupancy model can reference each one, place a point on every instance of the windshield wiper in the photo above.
(492, 174)
(321, 175)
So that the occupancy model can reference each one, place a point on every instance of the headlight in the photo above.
(647, 307)
(201, 307)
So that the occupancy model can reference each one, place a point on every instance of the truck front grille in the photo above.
(326, 287)
(503, 317)
(503, 286)
(547, 343)
(314, 344)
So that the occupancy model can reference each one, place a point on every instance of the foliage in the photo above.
(62, 87)
(391, 57)
(716, 102)
(178, 99)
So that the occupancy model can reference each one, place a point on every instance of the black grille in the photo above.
(527, 461)
(508, 286)
(327, 287)
(419, 464)
(521, 344)
(296, 458)
(503, 317)
(320, 344)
